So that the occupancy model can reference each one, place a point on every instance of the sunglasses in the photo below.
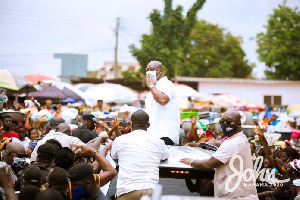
(227, 121)
(19, 155)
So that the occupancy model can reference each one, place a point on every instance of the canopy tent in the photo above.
(229, 100)
(183, 90)
(110, 92)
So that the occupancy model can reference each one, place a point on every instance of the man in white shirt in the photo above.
(161, 105)
(232, 154)
(138, 154)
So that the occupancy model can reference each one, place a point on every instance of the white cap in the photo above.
(296, 165)
(296, 182)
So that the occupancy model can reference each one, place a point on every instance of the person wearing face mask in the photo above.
(161, 105)
(235, 145)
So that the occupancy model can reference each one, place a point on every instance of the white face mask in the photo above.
(152, 74)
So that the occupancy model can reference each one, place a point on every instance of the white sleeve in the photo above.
(226, 151)
(169, 89)
(75, 140)
(165, 151)
(114, 150)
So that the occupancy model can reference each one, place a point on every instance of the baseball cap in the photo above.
(46, 149)
(79, 172)
(89, 117)
(63, 127)
(56, 121)
(33, 175)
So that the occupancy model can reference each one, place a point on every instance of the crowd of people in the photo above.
(48, 158)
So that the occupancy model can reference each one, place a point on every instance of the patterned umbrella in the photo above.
(11, 81)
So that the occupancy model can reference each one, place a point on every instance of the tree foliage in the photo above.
(279, 46)
(210, 52)
(195, 47)
(169, 33)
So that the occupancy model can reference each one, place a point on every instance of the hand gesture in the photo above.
(104, 138)
(115, 123)
(5, 177)
(104, 124)
(257, 130)
(83, 150)
(108, 147)
(186, 161)
(193, 120)
(149, 80)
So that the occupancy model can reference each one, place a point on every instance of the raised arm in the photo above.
(257, 130)
(193, 130)
(159, 96)
(108, 171)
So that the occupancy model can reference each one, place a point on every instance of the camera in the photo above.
(19, 163)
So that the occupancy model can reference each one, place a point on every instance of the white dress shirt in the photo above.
(64, 139)
(164, 120)
(139, 155)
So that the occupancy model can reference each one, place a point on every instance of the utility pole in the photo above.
(175, 72)
(116, 67)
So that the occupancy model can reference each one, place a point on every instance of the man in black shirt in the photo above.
(85, 133)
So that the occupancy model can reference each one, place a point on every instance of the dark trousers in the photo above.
(167, 140)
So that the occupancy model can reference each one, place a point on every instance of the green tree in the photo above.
(279, 47)
(92, 74)
(170, 30)
(210, 52)
(132, 76)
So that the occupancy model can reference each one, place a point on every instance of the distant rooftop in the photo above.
(235, 80)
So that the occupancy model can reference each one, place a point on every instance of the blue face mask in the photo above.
(78, 193)
(152, 74)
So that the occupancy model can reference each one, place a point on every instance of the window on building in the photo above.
(270, 100)
(277, 100)
(131, 68)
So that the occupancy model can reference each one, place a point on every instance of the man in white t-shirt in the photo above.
(161, 105)
(138, 154)
(233, 153)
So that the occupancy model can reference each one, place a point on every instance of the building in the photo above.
(268, 92)
(107, 71)
(72, 65)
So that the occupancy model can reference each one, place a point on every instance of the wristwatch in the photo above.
(193, 143)
(95, 151)
(151, 86)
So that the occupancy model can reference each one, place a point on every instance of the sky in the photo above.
(32, 31)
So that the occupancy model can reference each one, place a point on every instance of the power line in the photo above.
(46, 54)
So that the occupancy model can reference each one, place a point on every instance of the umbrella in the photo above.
(186, 91)
(11, 81)
(14, 83)
(56, 92)
(36, 78)
(83, 86)
(60, 90)
(110, 92)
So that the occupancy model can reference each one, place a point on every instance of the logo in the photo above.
(228, 129)
(249, 176)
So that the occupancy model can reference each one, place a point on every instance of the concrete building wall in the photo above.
(254, 92)
(249, 89)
